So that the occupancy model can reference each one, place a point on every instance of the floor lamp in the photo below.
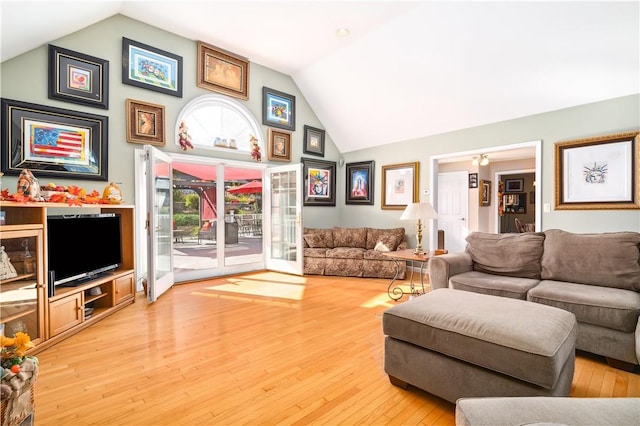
(417, 212)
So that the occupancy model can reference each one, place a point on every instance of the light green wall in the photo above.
(24, 78)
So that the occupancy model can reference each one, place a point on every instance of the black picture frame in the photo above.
(473, 180)
(278, 109)
(313, 141)
(32, 138)
(78, 78)
(360, 182)
(319, 182)
(513, 185)
(151, 68)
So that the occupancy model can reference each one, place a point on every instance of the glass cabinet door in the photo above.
(21, 282)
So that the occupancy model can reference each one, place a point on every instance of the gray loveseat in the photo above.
(594, 276)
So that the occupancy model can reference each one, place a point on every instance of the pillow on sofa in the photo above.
(326, 235)
(607, 259)
(349, 237)
(315, 241)
(389, 241)
(513, 255)
(373, 236)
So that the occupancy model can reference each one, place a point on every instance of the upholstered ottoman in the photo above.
(456, 344)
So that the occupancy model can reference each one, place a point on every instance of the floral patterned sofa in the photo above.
(353, 252)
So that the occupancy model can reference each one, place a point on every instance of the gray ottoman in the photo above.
(456, 344)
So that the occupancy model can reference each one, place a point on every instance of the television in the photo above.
(81, 247)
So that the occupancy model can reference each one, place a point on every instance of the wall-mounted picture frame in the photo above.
(319, 182)
(53, 142)
(515, 203)
(151, 68)
(360, 182)
(145, 123)
(513, 185)
(313, 141)
(485, 193)
(599, 173)
(78, 78)
(223, 72)
(278, 109)
(473, 180)
(278, 145)
(400, 185)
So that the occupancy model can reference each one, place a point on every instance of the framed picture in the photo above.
(485, 193)
(279, 145)
(598, 173)
(360, 184)
(145, 123)
(278, 109)
(150, 68)
(400, 185)
(222, 72)
(53, 142)
(319, 182)
(313, 141)
(473, 180)
(515, 203)
(78, 78)
(513, 185)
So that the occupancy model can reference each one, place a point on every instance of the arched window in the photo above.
(219, 123)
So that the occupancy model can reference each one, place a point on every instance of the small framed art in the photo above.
(399, 185)
(145, 123)
(279, 145)
(473, 180)
(513, 185)
(223, 72)
(78, 78)
(151, 68)
(485, 193)
(360, 186)
(278, 109)
(313, 141)
(319, 182)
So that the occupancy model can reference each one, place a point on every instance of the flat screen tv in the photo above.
(80, 247)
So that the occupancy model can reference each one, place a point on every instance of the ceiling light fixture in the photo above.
(483, 160)
(342, 32)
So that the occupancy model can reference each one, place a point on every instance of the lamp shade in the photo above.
(415, 211)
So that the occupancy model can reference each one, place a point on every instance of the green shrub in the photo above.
(183, 219)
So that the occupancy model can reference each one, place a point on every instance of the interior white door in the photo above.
(159, 213)
(283, 226)
(453, 209)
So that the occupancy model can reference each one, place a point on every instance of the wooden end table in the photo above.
(408, 255)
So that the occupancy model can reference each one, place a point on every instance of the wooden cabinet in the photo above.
(29, 303)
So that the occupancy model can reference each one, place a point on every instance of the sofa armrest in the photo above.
(443, 267)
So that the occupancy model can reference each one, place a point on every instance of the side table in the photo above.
(408, 255)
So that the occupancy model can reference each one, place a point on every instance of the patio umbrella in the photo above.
(253, 187)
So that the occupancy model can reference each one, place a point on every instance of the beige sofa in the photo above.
(594, 276)
(353, 252)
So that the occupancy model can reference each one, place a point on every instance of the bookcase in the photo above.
(27, 302)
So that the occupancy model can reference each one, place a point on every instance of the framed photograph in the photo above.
(319, 182)
(150, 68)
(53, 142)
(313, 141)
(473, 180)
(223, 72)
(278, 109)
(485, 193)
(598, 173)
(360, 186)
(145, 123)
(78, 78)
(400, 185)
(515, 203)
(279, 145)
(513, 185)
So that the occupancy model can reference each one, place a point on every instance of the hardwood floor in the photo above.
(228, 352)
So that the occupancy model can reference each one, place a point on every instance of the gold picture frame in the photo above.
(223, 72)
(599, 173)
(485, 193)
(400, 185)
(145, 123)
(278, 145)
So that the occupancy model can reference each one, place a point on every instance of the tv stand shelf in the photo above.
(29, 301)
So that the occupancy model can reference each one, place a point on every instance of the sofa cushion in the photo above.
(326, 235)
(603, 259)
(386, 236)
(481, 282)
(345, 253)
(514, 255)
(315, 241)
(349, 237)
(314, 252)
(603, 306)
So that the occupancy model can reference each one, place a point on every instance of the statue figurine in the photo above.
(183, 137)
(255, 149)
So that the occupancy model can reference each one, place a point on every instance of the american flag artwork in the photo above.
(54, 142)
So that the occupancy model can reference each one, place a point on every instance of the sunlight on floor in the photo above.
(264, 284)
(383, 299)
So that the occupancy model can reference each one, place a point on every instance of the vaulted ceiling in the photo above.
(407, 69)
